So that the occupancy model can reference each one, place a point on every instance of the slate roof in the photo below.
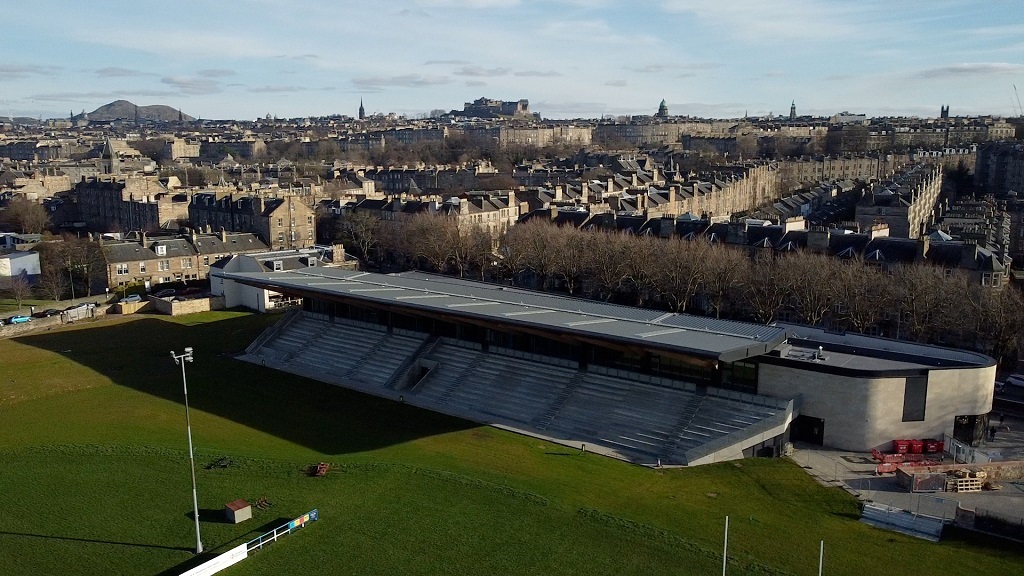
(891, 250)
(127, 252)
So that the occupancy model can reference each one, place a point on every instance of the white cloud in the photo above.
(755, 21)
(539, 73)
(119, 72)
(475, 4)
(970, 69)
(480, 72)
(216, 72)
(191, 86)
(405, 81)
(18, 71)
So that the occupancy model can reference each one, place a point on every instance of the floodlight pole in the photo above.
(725, 546)
(180, 359)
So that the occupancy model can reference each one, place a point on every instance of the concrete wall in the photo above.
(865, 413)
(47, 323)
(191, 306)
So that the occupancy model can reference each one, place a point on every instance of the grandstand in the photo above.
(623, 413)
(642, 385)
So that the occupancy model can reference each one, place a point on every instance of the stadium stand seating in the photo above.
(625, 414)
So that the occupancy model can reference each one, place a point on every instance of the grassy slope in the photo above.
(95, 477)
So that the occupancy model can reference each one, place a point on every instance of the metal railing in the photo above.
(282, 530)
(273, 330)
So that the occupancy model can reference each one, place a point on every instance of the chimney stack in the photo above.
(223, 235)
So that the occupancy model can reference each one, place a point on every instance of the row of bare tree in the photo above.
(909, 301)
(69, 267)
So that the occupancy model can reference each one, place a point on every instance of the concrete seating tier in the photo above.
(635, 420)
(622, 416)
(339, 352)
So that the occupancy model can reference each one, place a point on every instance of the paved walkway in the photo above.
(855, 473)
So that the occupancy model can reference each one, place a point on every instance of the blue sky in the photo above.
(570, 58)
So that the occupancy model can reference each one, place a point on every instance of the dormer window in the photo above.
(278, 266)
(161, 250)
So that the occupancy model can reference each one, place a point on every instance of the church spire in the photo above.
(362, 111)
(792, 110)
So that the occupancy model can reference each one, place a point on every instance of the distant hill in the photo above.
(125, 110)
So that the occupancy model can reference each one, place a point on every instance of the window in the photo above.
(122, 269)
(915, 397)
(206, 260)
(161, 250)
(278, 266)
(280, 221)
(309, 220)
(986, 279)
(280, 236)
(164, 265)
(310, 238)
(186, 262)
(142, 267)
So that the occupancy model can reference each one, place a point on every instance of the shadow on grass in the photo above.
(209, 516)
(188, 564)
(325, 418)
(93, 541)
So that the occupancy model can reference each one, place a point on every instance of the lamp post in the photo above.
(180, 360)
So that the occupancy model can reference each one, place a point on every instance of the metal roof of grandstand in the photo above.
(875, 353)
(723, 340)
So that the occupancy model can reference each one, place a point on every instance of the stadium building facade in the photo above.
(642, 385)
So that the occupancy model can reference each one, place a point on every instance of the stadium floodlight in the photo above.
(180, 360)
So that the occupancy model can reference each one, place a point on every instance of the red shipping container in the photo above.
(916, 446)
(901, 446)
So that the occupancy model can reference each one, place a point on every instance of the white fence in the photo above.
(241, 552)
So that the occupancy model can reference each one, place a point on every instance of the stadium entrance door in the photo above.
(807, 429)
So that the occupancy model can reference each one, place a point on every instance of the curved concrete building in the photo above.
(857, 392)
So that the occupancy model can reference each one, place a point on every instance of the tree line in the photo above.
(916, 302)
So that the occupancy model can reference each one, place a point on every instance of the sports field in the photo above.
(94, 479)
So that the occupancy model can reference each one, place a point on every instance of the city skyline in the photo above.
(570, 58)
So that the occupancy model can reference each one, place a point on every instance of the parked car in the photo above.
(165, 293)
(47, 313)
(19, 319)
(130, 299)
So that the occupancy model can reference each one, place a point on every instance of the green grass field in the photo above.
(94, 479)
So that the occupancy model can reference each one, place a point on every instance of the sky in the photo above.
(570, 58)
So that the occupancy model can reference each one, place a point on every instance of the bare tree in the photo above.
(642, 255)
(725, 268)
(862, 294)
(360, 229)
(25, 216)
(1003, 318)
(917, 298)
(764, 287)
(679, 271)
(808, 279)
(569, 255)
(607, 263)
(53, 282)
(19, 289)
(479, 250)
(432, 238)
(513, 250)
(530, 247)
